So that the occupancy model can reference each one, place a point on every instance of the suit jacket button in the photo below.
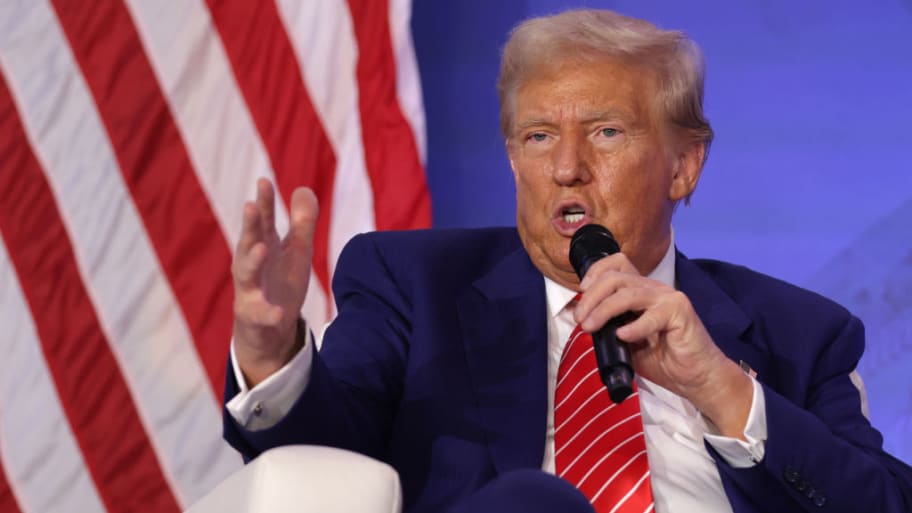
(819, 500)
(801, 485)
(791, 475)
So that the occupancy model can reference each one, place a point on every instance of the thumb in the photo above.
(303, 218)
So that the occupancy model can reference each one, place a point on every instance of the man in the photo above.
(450, 358)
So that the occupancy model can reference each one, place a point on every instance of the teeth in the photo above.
(573, 218)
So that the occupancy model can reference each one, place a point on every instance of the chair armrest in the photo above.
(306, 478)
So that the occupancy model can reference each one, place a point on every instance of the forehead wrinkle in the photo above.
(584, 118)
(569, 95)
(605, 115)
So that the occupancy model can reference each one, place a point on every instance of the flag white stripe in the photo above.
(408, 80)
(189, 59)
(38, 451)
(195, 76)
(131, 296)
(331, 82)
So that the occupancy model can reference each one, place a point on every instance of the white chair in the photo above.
(307, 479)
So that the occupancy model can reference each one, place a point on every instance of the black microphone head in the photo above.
(588, 244)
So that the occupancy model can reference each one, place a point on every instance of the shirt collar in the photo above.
(559, 296)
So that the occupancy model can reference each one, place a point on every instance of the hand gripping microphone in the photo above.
(589, 244)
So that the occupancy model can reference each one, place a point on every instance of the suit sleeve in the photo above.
(824, 455)
(357, 376)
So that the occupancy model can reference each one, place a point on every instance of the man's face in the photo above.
(585, 148)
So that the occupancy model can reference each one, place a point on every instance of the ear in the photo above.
(687, 169)
(511, 154)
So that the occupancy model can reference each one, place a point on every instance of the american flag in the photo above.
(131, 133)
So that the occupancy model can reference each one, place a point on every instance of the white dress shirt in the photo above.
(684, 476)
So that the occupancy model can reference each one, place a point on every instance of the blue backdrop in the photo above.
(808, 179)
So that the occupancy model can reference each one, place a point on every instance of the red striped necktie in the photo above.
(599, 446)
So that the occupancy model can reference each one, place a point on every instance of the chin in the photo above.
(560, 265)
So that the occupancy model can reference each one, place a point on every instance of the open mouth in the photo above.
(573, 214)
(569, 216)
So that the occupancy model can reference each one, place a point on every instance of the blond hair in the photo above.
(671, 56)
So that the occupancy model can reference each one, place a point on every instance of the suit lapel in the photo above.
(729, 327)
(504, 327)
(726, 322)
(503, 318)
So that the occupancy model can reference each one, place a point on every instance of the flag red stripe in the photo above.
(86, 376)
(270, 79)
(7, 499)
(401, 198)
(157, 170)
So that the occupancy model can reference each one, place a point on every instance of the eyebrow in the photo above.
(533, 122)
(602, 115)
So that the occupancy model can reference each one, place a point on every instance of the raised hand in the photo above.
(271, 276)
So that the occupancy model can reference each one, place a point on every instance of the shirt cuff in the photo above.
(266, 404)
(738, 453)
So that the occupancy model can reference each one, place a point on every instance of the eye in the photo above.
(537, 136)
(609, 132)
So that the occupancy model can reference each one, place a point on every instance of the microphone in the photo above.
(589, 244)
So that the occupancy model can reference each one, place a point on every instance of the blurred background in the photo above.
(132, 132)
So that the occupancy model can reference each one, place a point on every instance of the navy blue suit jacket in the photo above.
(437, 364)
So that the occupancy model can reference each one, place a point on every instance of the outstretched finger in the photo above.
(251, 232)
(265, 201)
(304, 212)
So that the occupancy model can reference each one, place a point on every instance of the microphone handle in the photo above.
(613, 358)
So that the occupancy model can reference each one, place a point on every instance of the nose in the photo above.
(570, 163)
